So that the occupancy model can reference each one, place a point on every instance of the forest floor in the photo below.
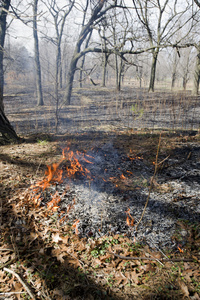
(55, 263)
(43, 257)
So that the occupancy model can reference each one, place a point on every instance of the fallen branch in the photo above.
(22, 282)
(11, 293)
(150, 258)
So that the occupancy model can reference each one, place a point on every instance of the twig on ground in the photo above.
(151, 184)
(158, 260)
(38, 168)
(11, 293)
(25, 285)
(6, 249)
(149, 258)
(161, 251)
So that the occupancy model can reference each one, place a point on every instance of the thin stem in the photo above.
(151, 184)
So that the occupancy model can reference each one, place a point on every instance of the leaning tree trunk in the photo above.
(86, 29)
(7, 133)
(197, 73)
(70, 79)
(153, 71)
(37, 57)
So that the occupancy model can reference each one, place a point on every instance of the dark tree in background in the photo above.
(7, 133)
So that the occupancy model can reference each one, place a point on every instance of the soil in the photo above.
(49, 255)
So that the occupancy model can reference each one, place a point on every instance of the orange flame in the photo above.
(129, 218)
(56, 172)
(127, 221)
(53, 203)
(122, 176)
(129, 172)
(180, 250)
(75, 225)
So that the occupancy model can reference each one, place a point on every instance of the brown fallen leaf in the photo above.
(119, 277)
(56, 238)
(17, 288)
(134, 276)
(65, 239)
(184, 288)
(148, 267)
(58, 254)
(5, 258)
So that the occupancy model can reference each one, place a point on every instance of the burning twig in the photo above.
(129, 218)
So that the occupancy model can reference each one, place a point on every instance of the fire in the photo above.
(180, 250)
(131, 173)
(75, 166)
(68, 167)
(129, 218)
(134, 156)
(53, 203)
(75, 225)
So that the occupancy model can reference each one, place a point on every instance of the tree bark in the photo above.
(70, 78)
(197, 73)
(5, 4)
(83, 61)
(174, 70)
(153, 71)
(37, 56)
(7, 133)
(105, 62)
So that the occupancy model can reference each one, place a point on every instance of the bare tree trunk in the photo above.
(153, 71)
(197, 73)
(37, 57)
(7, 133)
(173, 79)
(186, 73)
(83, 61)
(117, 74)
(70, 78)
(174, 70)
(105, 62)
(86, 29)
(121, 73)
(5, 4)
(60, 70)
